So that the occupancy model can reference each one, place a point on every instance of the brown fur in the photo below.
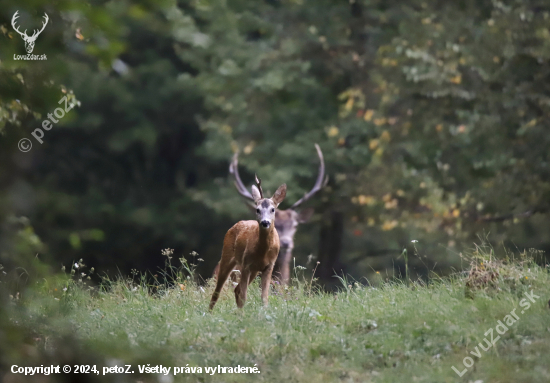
(286, 221)
(252, 249)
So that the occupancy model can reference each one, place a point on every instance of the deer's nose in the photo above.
(285, 243)
(266, 224)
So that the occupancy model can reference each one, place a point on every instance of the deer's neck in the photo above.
(267, 237)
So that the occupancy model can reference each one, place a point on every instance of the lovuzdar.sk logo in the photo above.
(29, 40)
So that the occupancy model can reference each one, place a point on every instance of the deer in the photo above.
(252, 246)
(29, 40)
(286, 221)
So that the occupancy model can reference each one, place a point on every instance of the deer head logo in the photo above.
(29, 40)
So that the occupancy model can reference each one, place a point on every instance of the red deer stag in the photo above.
(286, 221)
(252, 246)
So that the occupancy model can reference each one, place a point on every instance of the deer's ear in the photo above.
(305, 215)
(256, 194)
(279, 195)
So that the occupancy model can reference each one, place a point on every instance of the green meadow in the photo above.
(382, 330)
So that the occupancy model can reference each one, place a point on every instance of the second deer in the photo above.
(286, 221)
(252, 247)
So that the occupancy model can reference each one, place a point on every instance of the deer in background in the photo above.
(286, 221)
(252, 246)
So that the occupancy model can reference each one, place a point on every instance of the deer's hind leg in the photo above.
(226, 265)
(225, 269)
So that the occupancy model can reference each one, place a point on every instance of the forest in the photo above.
(431, 117)
(413, 137)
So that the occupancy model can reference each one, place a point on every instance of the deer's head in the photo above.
(265, 207)
(286, 221)
(29, 40)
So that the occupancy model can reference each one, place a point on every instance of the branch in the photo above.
(507, 217)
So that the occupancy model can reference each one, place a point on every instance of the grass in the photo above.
(388, 333)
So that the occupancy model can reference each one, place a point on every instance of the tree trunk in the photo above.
(330, 247)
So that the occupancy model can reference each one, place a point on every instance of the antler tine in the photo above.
(259, 184)
(36, 31)
(45, 22)
(319, 183)
(233, 169)
(15, 17)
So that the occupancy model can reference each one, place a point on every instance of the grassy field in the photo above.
(393, 332)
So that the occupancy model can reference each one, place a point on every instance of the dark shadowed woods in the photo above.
(432, 118)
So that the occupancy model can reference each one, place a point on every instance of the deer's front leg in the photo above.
(266, 281)
(242, 287)
(285, 265)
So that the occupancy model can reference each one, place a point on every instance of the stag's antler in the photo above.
(233, 169)
(319, 183)
(259, 185)
(37, 32)
(15, 16)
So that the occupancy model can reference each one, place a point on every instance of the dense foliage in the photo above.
(431, 115)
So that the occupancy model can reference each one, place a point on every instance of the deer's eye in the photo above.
(258, 211)
(272, 210)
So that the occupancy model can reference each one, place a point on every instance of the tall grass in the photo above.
(386, 332)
